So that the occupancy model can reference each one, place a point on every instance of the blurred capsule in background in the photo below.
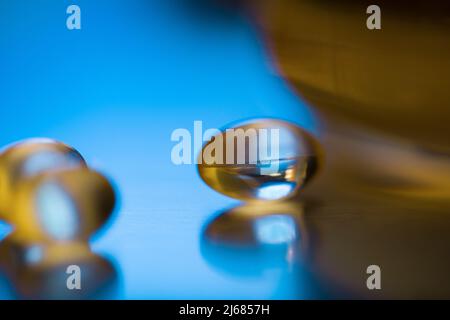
(63, 206)
(25, 159)
(261, 159)
(41, 271)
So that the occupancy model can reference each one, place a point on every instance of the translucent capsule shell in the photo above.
(278, 162)
(25, 159)
(65, 206)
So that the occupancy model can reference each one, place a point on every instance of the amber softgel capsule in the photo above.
(262, 160)
(62, 206)
(25, 159)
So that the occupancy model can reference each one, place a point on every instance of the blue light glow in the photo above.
(275, 229)
(46, 160)
(56, 211)
(34, 254)
(275, 190)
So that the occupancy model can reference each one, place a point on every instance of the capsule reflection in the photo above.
(254, 241)
(44, 272)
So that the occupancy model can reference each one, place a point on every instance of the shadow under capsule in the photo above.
(253, 240)
(42, 272)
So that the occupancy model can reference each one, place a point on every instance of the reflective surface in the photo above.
(263, 241)
(40, 272)
(354, 227)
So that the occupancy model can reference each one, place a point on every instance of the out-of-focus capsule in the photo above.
(25, 159)
(64, 206)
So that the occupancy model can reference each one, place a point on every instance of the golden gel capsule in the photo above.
(27, 158)
(62, 206)
(263, 159)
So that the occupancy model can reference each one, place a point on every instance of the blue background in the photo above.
(116, 90)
